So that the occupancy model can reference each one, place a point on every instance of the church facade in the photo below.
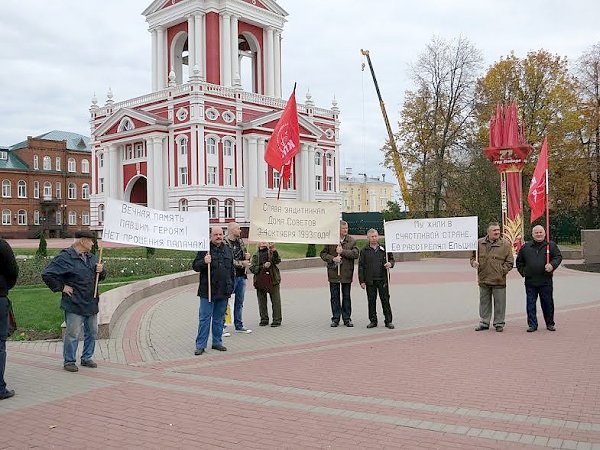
(197, 140)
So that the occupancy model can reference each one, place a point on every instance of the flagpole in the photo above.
(547, 218)
(280, 181)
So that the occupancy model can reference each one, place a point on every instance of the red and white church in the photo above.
(198, 139)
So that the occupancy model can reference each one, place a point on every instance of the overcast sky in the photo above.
(55, 54)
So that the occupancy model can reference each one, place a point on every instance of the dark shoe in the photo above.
(499, 329)
(7, 394)
(263, 324)
(334, 324)
(89, 363)
(551, 328)
(276, 324)
(390, 325)
(349, 324)
(71, 368)
(481, 328)
(199, 351)
(531, 329)
(219, 347)
(372, 325)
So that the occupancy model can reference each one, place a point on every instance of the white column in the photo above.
(225, 50)
(193, 149)
(251, 178)
(269, 63)
(191, 45)
(277, 54)
(336, 170)
(311, 173)
(162, 63)
(158, 184)
(200, 44)
(154, 61)
(235, 59)
(150, 175)
(262, 168)
(201, 151)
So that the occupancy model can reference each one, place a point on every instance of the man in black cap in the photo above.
(73, 272)
(9, 270)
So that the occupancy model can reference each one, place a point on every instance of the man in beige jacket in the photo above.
(493, 262)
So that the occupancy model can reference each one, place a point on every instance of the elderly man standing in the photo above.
(73, 273)
(241, 261)
(214, 303)
(340, 271)
(493, 262)
(9, 271)
(537, 271)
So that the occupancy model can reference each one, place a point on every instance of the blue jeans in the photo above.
(2, 364)
(345, 308)
(74, 323)
(239, 290)
(210, 313)
(546, 301)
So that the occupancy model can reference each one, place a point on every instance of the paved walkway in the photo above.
(431, 383)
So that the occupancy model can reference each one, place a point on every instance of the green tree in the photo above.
(150, 251)
(311, 251)
(42, 250)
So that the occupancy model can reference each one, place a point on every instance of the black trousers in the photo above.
(3, 336)
(382, 287)
(345, 307)
(546, 301)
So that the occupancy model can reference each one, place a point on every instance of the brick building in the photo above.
(45, 183)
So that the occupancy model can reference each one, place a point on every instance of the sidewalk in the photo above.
(431, 383)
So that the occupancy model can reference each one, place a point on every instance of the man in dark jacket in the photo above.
(493, 262)
(340, 271)
(214, 303)
(373, 275)
(537, 271)
(9, 271)
(73, 272)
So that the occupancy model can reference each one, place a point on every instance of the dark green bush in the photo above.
(42, 250)
(311, 250)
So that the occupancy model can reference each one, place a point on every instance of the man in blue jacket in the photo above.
(9, 270)
(213, 304)
(531, 264)
(73, 273)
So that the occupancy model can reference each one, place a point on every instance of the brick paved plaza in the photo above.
(432, 382)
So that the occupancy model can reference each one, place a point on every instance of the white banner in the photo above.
(431, 235)
(275, 220)
(128, 223)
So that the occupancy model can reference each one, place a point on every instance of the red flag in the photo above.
(284, 144)
(538, 188)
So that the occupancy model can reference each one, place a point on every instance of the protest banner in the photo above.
(128, 223)
(273, 220)
(431, 235)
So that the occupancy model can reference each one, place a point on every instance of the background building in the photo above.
(46, 184)
(364, 193)
(198, 139)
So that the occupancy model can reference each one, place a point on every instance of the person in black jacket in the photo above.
(213, 305)
(9, 271)
(373, 275)
(73, 273)
(531, 264)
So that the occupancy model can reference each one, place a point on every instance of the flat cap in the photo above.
(84, 234)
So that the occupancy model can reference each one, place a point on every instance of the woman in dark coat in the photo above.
(266, 281)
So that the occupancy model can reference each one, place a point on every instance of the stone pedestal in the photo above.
(590, 245)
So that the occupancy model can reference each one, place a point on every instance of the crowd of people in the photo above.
(223, 269)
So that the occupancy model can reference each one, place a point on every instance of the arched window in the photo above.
(211, 146)
(125, 125)
(72, 218)
(183, 204)
(85, 191)
(85, 166)
(227, 148)
(72, 191)
(47, 190)
(36, 217)
(22, 217)
(6, 188)
(329, 159)
(6, 217)
(72, 166)
(85, 218)
(213, 208)
(22, 189)
(229, 208)
(180, 57)
(36, 189)
(36, 162)
(182, 148)
(317, 158)
(100, 213)
(47, 163)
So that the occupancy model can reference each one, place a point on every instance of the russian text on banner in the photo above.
(128, 223)
(290, 221)
(431, 235)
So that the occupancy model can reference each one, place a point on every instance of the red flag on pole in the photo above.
(284, 144)
(538, 188)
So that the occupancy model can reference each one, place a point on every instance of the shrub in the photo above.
(42, 250)
(311, 250)
(150, 251)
